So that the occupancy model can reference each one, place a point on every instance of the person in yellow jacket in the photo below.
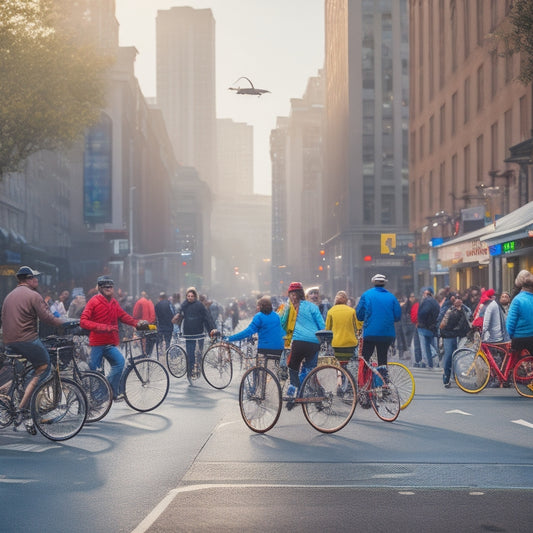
(342, 320)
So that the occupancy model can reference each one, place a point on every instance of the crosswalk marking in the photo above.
(523, 423)
(458, 412)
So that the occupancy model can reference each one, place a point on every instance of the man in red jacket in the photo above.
(101, 316)
(144, 309)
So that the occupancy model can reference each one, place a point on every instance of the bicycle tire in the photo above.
(99, 395)
(403, 380)
(217, 367)
(471, 370)
(176, 360)
(523, 376)
(6, 411)
(260, 399)
(59, 408)
(385, 401)
(329, 398)
(146, 385)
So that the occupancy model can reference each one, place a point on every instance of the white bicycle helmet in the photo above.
(379, 279)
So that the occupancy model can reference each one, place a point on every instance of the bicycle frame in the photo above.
(509, 360)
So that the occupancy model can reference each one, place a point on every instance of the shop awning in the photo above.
(515, 225)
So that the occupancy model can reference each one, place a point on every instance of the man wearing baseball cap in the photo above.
(22, 309)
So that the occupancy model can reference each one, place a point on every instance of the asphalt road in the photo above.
(451, 461)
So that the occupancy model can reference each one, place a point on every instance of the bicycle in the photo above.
(324, 408)
(214, 363)
(373, 390)
(473, 368)
(144, 381)
(96, 387)
(58, 406)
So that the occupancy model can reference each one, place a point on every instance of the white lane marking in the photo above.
(406, 492)
(37, 448)
(476, 493)
(523, 423)
(17, 481)
(458, 412)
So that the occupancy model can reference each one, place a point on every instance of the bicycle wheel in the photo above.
(145, 384)
(176, 360)
(471, 370)
(328, 398)
(260, 399)
(385, 401)
(99, 395)
(217, 367)
(523, 377)
(59, 408)
(6, 412)
(404, 382)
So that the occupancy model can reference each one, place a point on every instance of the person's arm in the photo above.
(44, 313)
(360, 309)
(512, 318)
(253, 327)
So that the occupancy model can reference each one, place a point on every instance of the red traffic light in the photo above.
(367, 258)
(184, 263)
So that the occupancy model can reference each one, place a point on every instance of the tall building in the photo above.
(185, 39)
(468, 112)
(365, 191)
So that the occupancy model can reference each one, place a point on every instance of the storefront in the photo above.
(511, 246)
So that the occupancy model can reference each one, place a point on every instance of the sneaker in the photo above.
(20, 416)
(447, 384)
(189, 379)
(119, 398)
(30, 426)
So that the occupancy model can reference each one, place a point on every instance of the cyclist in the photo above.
(519, 323)
(101, 317)
(193, 317)
(304, 348)
(267, 325)
(23, 307)
(378, 309)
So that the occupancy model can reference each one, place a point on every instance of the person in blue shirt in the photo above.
(267, 325)
(519, 322)
(378, 309)
(305, 345)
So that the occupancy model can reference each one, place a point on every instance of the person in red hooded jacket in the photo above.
(101, 317)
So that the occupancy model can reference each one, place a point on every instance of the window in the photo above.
(454, 173)
(524, 133)
(454, 113)
(466, 165)
(453, 17)
(442, 124)
(479, 154)
(442, 185)
(442, 45)
(467, 100)
(421, 141)
(479, 21)
(412, 147)
(494, 159)
(480, 89)
(493, 74)
(431, 190)
(508, 129)
(466, 27)
(431, 133)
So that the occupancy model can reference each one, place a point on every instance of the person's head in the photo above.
(264, 305)
(312, 294)
(351, 301)
(475, 294)
(427, 292)
(520, 278)
(412, 297)
(191, 294)
(457, 302)
(163, 296)
(63, 296)
(379, 280)
(296, 292)
(106, 286)
(505, 298)
(527, 284)
(341, 298)
(28, 276)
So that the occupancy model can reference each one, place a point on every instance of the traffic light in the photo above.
(367, 258)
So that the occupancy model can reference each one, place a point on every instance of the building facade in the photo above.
(365, 191)
(467, 111)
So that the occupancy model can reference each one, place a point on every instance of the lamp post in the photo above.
(131, 240)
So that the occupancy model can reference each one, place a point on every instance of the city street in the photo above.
(450, 461)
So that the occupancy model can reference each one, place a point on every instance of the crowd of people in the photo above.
(410, 327)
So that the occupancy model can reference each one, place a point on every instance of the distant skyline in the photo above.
(278, 44)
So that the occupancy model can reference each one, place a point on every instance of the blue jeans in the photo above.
(418, 349)
(190, 348)
(116, 360)
(450, 345)
(427, 340)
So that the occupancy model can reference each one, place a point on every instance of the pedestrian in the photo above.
(505, 301)
(77, 304)
(520, 316)
(416, 338)
(342, 321)
(194, 319)
(454, 325)
(144, 309)
(428, 313)
(59, 307)
(101, 317)
(164, 312)
(304, 346)
(22, 309)
(408, 327)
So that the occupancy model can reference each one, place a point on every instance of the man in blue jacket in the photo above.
(378, 309)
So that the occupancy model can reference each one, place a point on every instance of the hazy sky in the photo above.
(278, 44)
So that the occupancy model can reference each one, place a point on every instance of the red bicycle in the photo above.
(474, 368)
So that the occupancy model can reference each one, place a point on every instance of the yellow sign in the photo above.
(388, 243)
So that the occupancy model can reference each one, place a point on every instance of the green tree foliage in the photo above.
(516, 36)
(52, 86)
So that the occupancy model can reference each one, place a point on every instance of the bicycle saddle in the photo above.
(324, 335)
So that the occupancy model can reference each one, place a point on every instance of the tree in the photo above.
(52, 86)
(517, 37)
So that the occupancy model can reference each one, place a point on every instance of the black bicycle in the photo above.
(58, 406)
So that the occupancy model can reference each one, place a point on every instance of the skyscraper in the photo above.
(185, 39)
(366, 156)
